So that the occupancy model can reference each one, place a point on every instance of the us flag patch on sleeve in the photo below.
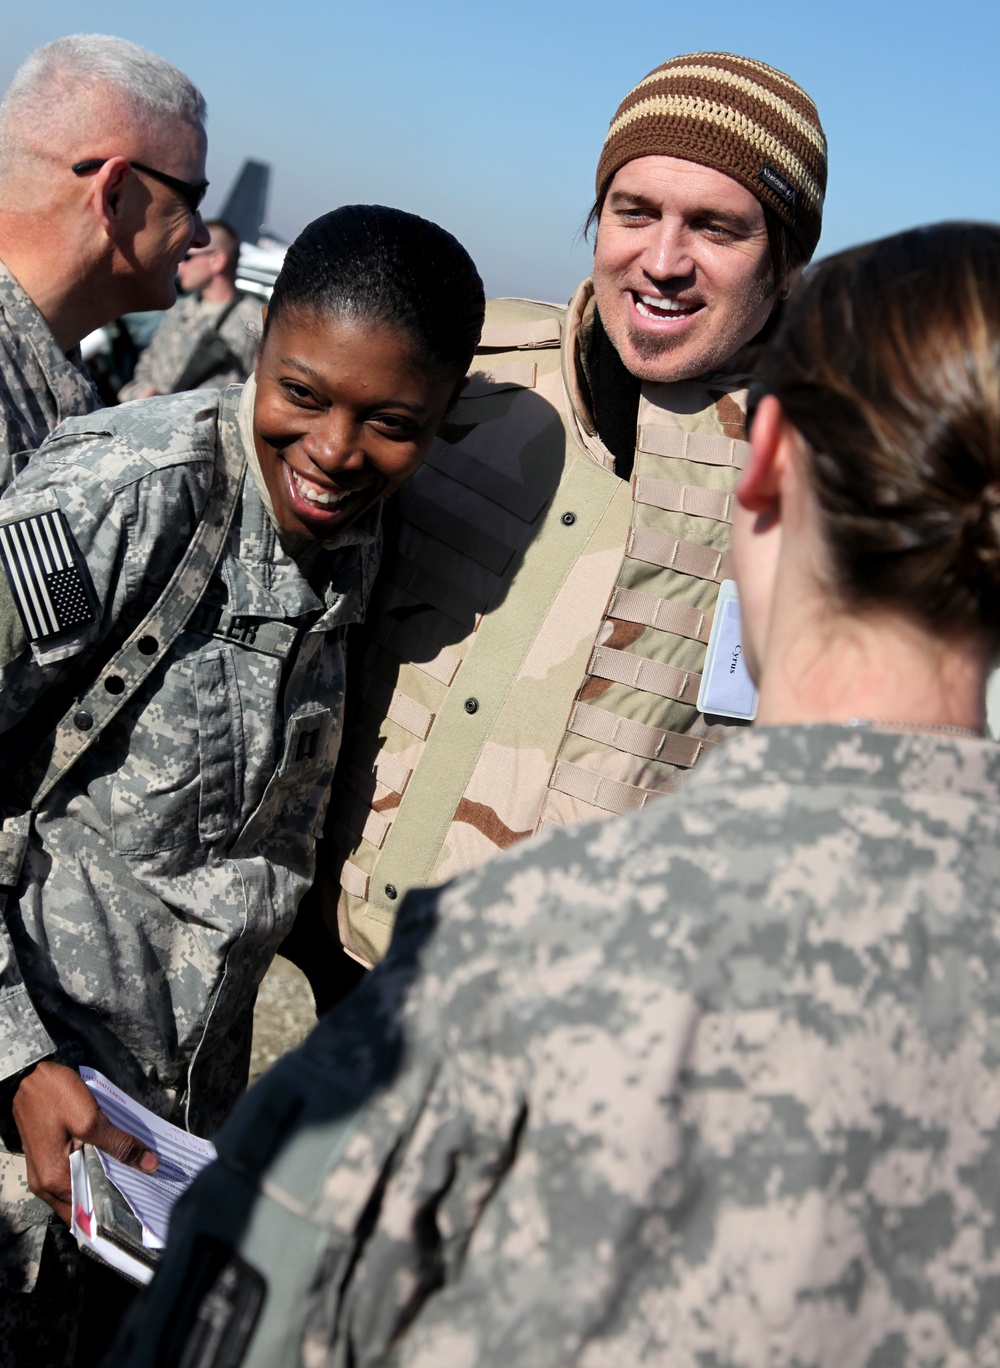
(40, 558)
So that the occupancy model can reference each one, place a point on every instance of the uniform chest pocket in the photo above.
(181, 780)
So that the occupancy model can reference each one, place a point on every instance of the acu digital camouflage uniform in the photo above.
(40, 385)
(540, 624)
(163, 362)
(165, 869)
(713, 1084)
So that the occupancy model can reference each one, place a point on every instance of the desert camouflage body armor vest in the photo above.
(536, 639)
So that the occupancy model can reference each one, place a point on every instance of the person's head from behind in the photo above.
(373, 322)
(218, 259)
(102, 167)
(882, 410)
(709, 199)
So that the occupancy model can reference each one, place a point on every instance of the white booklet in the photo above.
(119, 1213)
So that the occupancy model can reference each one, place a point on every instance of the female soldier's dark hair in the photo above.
(888, 364)
(381, 265)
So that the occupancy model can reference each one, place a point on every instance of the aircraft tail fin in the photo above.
(246, 204)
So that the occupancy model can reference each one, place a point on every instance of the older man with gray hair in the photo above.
(102, 170)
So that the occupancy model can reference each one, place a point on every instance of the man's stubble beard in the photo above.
(654, 351)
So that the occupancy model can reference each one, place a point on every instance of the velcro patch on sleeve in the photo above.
(47, 575)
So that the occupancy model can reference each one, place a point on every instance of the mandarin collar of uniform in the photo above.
(824, 754)
(56, 365)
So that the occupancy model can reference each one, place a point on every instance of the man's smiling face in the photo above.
(682, 268)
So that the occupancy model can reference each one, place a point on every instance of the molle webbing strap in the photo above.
(651, 676)
(487, 379)
(449, 566)
(635, 738)
(413, 717)
(610, 795)
(631, 605)
(354, 880)
(464, 469)
(704, 448)
(687, 558)
(520, 335)
(122, 676)
(680, 498)
(408, 644)
(427, 587)
(392, 772)
(359, 818)
(458, 533)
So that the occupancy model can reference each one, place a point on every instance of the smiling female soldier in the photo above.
(161, 873)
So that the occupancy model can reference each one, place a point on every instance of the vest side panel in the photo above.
(460, 596)
(634, 730)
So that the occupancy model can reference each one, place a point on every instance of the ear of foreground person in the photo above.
(715, 1082)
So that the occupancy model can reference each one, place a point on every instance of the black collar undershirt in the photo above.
(614, 396)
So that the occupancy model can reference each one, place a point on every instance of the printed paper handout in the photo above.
(119, 1213)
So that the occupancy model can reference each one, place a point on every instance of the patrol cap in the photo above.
(737, 116)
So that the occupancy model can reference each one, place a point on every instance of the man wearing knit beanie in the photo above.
(536, 643)
(448, 1183)
(709, 193)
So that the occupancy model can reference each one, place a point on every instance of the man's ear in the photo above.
(109, 195)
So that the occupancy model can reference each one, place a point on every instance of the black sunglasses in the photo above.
(191, 192)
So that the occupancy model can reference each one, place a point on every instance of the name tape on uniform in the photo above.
(726, 687)
(40, 558)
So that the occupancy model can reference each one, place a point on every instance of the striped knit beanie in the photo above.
(738, 116)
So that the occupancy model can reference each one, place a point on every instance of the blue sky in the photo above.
(489, 117)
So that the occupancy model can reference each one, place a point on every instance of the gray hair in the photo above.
(55, 76)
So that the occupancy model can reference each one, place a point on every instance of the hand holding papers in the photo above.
(120, 1213)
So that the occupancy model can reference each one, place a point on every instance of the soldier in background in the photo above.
(208, 339)
(537, 639)
(714, 1083)
(102, 170)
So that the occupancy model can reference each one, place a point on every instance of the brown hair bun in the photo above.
(888, 364)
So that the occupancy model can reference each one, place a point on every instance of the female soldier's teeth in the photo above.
(315, 495)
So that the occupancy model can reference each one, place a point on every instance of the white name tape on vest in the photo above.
(726, 687)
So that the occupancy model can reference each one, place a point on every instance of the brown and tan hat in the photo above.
(736, 115)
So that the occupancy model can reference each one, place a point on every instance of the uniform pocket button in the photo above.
(391, 892)
(471, 705)
(148, 645)
(114, 684)
(568, 519)
(83, 721)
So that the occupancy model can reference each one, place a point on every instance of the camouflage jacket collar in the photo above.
(825, 755)
(64, 372)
